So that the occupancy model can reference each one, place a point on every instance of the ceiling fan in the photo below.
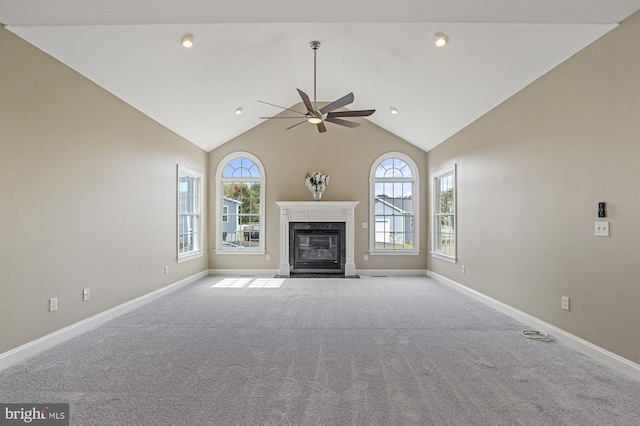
(318, 116)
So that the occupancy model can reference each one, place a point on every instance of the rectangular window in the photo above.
(444, 217)
(393, 216)
(189, 214)
(241, 229)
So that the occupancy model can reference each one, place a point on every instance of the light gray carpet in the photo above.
(369, 351)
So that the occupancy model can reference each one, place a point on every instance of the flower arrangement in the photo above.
(316, 181)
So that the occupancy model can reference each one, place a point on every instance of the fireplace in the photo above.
(317, 247)
(334, 218)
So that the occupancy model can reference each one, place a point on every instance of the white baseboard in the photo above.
(36, 346)
(365, 272)
(392, 272)
(599, 354)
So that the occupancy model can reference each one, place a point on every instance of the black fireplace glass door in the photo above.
(317, 247)
(317, 250)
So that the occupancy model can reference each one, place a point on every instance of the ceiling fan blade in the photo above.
(321, 127)
(291, 127)
(270, 118)
(288, 109)
(356, 113)
(345, 100)
(306, 100)
(342, 122)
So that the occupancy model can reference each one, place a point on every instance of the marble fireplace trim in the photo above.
(317, 211)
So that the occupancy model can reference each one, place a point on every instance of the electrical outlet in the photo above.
(86, 294)
(166, 270)
(463, 269)
(268, 256)
(602, 229)
(366, 257)
(53, 304)
(565, 303)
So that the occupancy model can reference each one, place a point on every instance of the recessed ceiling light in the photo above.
(238, 111)
(393, 110)
(187, 41)
(441, 39)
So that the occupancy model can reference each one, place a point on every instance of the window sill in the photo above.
(190, 256)
(394, 252)
(240, 251)
(450, 259)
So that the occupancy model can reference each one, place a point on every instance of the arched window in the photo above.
(394, 203)
(240, 204)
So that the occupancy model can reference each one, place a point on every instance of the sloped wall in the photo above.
(88, 197)
(530, 175)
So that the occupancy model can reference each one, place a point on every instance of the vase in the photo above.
(317, 195)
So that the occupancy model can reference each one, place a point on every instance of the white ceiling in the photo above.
(250, 50)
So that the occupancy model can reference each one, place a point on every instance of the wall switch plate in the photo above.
(53, 304)
(565, 303)
(268, 257)
(463, 269)
(86, 294)
(166, 270)
(602, 229)
(366, 257)
(365, 225)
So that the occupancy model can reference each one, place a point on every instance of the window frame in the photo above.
(415, 195)
(220, 180)
(200, 249)
(436, 179)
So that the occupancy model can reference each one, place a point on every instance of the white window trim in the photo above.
(434, 178)
(262, 180)
(416, 206)
(183, 257)
(189, 256)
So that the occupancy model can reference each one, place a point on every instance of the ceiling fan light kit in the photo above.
(318, 116)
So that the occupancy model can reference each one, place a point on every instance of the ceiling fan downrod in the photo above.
(315, 45)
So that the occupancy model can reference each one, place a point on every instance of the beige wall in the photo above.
(346, 155)
(88, 196)
(530, 175)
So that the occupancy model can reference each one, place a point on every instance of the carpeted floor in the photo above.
(368, 351)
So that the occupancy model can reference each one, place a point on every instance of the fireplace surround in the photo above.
(311, 216)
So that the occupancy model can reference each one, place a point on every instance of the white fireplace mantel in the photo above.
(316, 211)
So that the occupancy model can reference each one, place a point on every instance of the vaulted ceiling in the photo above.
(250, 50)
